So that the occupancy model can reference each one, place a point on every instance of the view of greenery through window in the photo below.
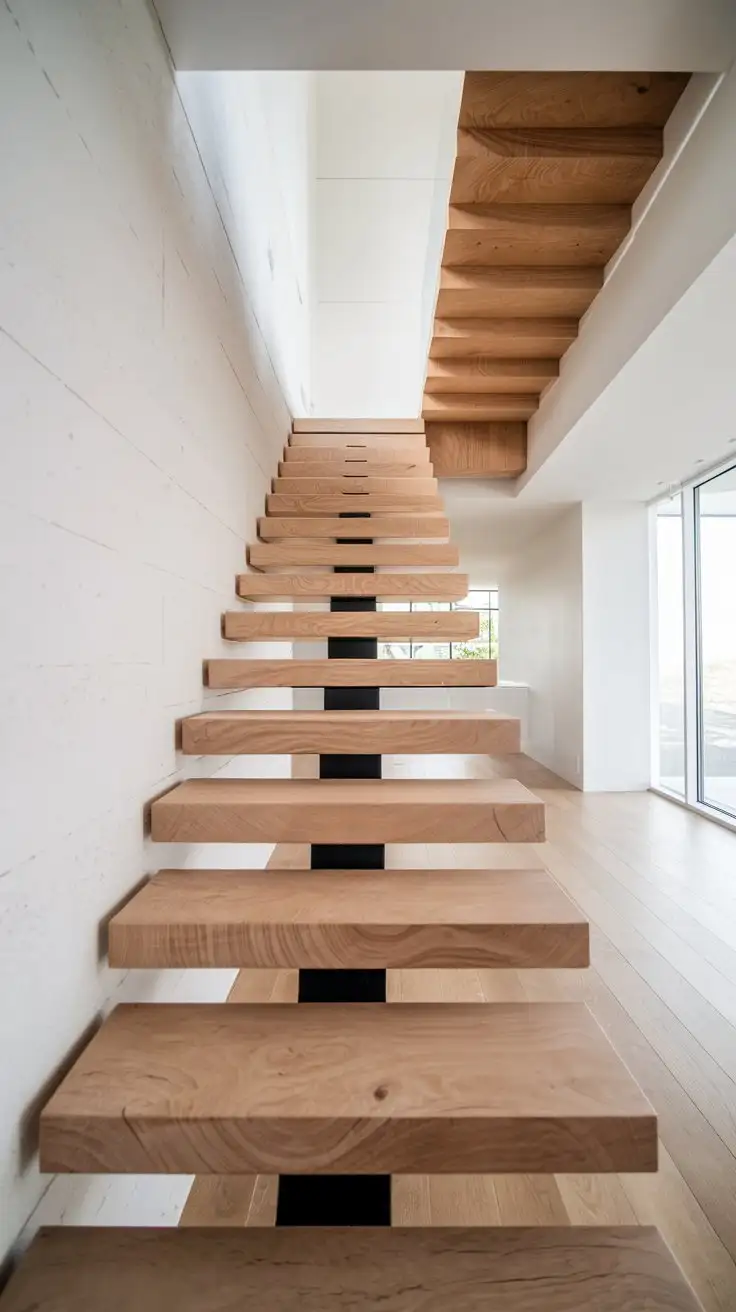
(484, 601)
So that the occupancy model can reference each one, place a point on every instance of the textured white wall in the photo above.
(541, 615)
(384, 160)
(142, 407)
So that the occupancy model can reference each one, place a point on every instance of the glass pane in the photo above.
(671, 671)
(716, 521)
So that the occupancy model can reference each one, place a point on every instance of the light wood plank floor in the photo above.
(658, 885)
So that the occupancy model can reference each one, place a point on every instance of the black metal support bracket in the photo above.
(335, 1200)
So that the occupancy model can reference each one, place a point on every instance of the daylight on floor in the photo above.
(368, 468)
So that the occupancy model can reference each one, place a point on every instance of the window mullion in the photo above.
(690, 639)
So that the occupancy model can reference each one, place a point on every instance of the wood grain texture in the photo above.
(347, 811)
(348, 1088)
(483, 374)
(358, 426)
(342, 673)
(263, 625)
(550, 166)
(358, 482)
(516, 290)
(376, 526)
(226, 733)
(378, 456)
(357, 466)
(273, 555)
(336, 503)
(534, 234)
(570, 100)
(511, 338)
(408, 442)
(283, 1270)
(444, 587)
(458, 406)
(481, 450)
(349, 919)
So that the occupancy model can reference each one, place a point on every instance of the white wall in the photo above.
(574, 620)
(541, 641)
(616, 647)
(385, 153)
(255, 132)
(141, 416)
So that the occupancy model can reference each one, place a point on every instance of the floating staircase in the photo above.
(339, 1090)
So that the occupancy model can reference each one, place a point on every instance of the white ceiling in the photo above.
(446, 34)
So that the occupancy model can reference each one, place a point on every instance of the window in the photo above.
(695, 664)
(485, 646)
(670, 646)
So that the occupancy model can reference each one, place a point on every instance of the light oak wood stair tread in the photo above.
(450, 625)
(358, 426)
(483, 374)
(227, 733)
(335, 503)
(365, 1088)
(263, 555)
(373, 461)
(488, 448)
(373, 526)
(355, 468)
(443, 587)
(349, 919)
(534, 233)
(348, 811)
(497, 337)
(479, 405)
(569, 99)
(582, 166)
(343, 673)
(463, 1269)
(511, 291)
(408, 443)
(352, 483)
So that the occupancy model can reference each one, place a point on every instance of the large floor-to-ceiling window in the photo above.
(695, 662)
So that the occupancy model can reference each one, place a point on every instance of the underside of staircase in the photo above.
(340, 1090)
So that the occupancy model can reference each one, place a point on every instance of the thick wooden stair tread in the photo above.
(358, 426)
(335, 503)
(227, 733)
(569, 99)
(355, 483)
(374, 526)
(489, 1269)
(550, 165)
(266, 555)
(534, 234)
(349, 919)
(343, 460)
(348, 811)
(343, 673)
(357, 1087)
(441, 587)
(480, 290)
(482, 374)
(497, 337)
(475, 406)
(407, 443)
(449, 625)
